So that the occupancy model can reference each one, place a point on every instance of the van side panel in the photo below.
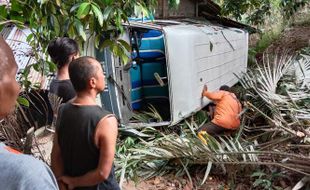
(199, 55)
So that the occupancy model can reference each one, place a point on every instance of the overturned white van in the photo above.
(171, 62)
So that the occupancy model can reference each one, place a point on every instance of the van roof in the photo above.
(160, 24)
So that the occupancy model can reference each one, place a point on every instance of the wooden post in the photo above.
(196, 9)
(165, 4)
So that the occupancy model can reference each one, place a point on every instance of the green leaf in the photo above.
(83, 10)
(29, 37)
(114, 48)
(71, 31)
(52, 66)
(26, 71)
(125, 58)
(58, 3)
(36, 67)
(55, 24)
(80, 30)
(258, 182)
(51, 9)
(75, 7)
(16, 7)
(66, 25)
(107, 12)
(106, 43)
(124, 44)
(23, 101)
(107, 2)
(97, 13)
(97, 40)
(17, 17)
(258, 174)
(3, 11)
(43, 21)
(92, 26)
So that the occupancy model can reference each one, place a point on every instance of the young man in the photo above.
(62, 51)
(85, 138)
(17, 171)
(226, 115)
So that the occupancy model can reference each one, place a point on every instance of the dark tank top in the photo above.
(76, 128)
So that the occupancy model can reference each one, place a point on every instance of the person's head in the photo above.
(9, 88)
(225, 88)
(86, 73)
(62, 51)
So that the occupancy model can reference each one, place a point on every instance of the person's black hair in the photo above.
(80, 71)
(60, 50)
(225, 88)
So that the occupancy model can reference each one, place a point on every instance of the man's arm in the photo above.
(56, 162)
(214, 96)
(105, 139)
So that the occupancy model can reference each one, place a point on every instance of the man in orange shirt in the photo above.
(226, 115)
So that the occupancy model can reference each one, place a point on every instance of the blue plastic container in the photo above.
(136, 88)
(151, 46)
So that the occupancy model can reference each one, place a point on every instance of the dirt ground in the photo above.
(292, 39)
(171, 182)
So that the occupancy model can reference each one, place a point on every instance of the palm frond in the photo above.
(147, 116)
(278, 84)
(154, 158)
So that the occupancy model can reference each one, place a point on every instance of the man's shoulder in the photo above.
(20, 164)
(103, 110)
(26, 169)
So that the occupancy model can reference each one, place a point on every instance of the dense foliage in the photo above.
(255, 11)
(77, 19)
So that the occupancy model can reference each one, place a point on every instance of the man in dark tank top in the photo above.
(85, 138)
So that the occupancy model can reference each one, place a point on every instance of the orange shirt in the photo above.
(227, 109)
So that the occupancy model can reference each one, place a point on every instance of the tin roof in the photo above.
(17, 40)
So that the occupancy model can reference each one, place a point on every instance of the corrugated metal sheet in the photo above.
(4, 2)
(17, 40)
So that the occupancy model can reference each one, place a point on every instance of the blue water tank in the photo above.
(151, 45)
(136, 88)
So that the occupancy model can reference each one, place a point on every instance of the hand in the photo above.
(62, 185)
(205, 89)
(67, 181)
